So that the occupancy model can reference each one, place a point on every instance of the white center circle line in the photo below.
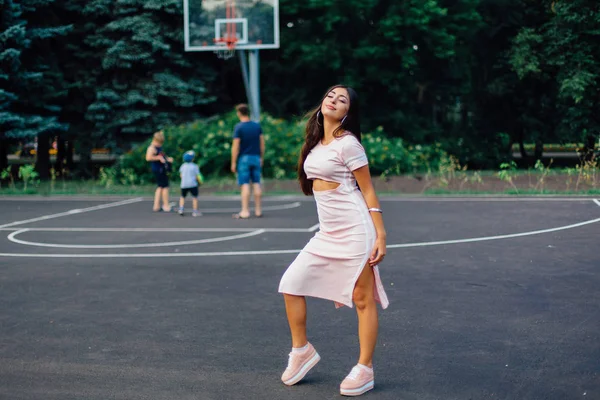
(12, 238)
(294, 251)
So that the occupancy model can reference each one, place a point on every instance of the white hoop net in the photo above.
(226, 53)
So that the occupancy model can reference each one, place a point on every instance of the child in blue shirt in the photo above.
(190, 179)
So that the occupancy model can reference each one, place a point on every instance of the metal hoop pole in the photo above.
(255, 84)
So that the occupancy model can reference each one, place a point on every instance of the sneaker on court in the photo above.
(196, 213)
(299, 364)
(180, 212)
(360, 380)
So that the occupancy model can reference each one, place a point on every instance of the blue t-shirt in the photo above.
(189, 171)
(249, 134)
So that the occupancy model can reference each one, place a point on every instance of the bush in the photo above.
(211, 140)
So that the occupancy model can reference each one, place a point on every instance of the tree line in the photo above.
(476, 76)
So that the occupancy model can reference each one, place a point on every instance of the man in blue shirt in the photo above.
(247, 155)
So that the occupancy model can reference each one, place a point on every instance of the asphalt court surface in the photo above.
(103, 299)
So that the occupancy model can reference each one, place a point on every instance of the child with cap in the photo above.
(190, 179)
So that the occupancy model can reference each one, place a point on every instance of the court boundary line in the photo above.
(161, 230)
(295, 251)
(73, 212)
(301, 198)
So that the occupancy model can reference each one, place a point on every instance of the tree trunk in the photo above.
(539, 150)
(69, 156)
(524, 155)
(589, 148)
(84, 168)
(3, 154)
(42, 163)
(60, 156)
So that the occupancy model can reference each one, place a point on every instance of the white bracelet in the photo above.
(379, 210)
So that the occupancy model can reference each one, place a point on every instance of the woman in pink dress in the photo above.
(340, 262)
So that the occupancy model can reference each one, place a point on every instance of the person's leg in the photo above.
(157, 194)
(165, 199)
(295, 308)
(361, 378)
(195, 203)
(366, 309)
(243, 177)
(245, 192)
(257, 190)
(182, 201)
(256, 187)
(303, 356)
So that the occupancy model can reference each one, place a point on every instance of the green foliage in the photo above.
(211, 140)
(405, 58)
(146, 80)
(28, 175)
(27, 106)
(6, 174)
(507, 173)
(562, 51)
(467, 77)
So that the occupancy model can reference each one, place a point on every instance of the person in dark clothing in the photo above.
(247, 157)
(159, 163)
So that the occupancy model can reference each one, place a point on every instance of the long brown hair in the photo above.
(315, 132)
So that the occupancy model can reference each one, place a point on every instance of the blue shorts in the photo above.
(248, 169)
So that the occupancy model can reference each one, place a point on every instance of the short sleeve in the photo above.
(237, 131)
(181, 168)
(353, 154)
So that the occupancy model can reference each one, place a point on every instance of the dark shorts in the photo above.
(193, 191)
(162, 180)
(248, 169)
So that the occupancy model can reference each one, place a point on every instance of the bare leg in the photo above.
(295, 307)
(195, 203)
(157, 194)
(181, 202)
(366, 309)
(165, 199)
(245, 201)
(257, 190)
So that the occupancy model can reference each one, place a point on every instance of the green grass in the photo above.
(227, 186)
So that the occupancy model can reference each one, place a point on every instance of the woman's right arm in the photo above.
(151, 156)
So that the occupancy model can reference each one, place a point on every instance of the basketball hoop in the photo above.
(231, 37)
(228, 49)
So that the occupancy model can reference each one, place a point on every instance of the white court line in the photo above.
(597, 202)
(434, 199)
(275, 252)
(499, 237)
(162, 230)
(266, 208)
(72, 212)
(313, 228)
(12, 238)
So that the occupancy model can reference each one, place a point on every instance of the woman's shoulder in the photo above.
(348, 138)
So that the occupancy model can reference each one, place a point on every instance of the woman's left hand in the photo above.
(378, 252)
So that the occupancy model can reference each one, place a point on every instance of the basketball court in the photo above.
(493, 298)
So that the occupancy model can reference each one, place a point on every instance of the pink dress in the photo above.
(330, 264)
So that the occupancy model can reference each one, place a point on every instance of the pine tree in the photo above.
(29, 85)
(146, 81)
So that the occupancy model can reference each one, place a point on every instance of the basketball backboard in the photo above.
(211, 25)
